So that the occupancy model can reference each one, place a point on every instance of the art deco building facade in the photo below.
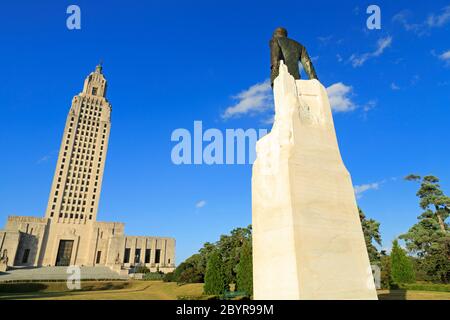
(70, 234)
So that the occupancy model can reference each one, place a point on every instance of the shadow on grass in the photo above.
(33, 295)
(397, 294)
(29, 290)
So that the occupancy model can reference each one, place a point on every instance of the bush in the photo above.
(141, 269)
(386, 280)
(215, 281)
(152, 276)
(169, 277)
(401, 266)
(245, 269)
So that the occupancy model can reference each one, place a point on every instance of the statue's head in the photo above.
(280, 32)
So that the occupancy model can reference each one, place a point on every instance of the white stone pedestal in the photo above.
(307, 236)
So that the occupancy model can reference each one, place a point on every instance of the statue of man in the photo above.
(4, 257)
(291, 52)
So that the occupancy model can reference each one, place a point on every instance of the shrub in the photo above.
(141, 269)
(169, 277)
(215, 282)
(152, 276)
(245, 269)
(401, 265)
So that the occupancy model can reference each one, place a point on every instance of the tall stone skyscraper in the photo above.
(75, 192)
(70, 234)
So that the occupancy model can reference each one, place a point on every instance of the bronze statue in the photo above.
(291, 52)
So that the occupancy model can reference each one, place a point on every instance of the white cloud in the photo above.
(394, 86)
(433, 21)
(338, 94)
(382, 44)
(325, 40)
(360, 189)
(445, 57)
(439, 20)
(43, 159)
(269, 120)
(369, 105)
(47, 157)
(403, 17)
(256, 99)
(200, 204)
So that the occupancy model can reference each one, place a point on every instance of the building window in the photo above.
(99, 255)
(137, 255)
(147, 255)
(94, 91)
(157, 255)
(26, 253)
(126, 256)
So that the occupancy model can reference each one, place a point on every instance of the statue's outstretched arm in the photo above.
(307, 64)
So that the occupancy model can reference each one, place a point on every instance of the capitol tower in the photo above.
(76, 187)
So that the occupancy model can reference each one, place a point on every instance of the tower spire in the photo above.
(99, 66)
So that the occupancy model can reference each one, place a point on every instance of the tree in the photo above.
(429, 238)
(385, 265)
(215, 280)
(432, 199)
(189, 271)
(401, 266)
(229, 246)
(371, 230)
(245, 269)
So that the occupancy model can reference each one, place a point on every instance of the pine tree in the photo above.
(429, 238)
(215, 280)
(401, 266)
(245, 269)
(371, 230)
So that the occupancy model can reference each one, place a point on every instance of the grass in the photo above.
(112, 290)
(155, 290)
(412, 295)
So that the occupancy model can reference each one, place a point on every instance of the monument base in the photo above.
(307, 237)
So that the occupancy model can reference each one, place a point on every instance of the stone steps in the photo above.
(60, 274)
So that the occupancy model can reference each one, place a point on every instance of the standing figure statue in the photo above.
(291, 52)
(4, 261)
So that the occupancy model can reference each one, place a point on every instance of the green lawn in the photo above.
(120, 290)
(153, 290)
(412, 295)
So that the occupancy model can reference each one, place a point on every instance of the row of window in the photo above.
(75, 215)
(137, 255)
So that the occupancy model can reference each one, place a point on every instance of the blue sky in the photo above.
(170, 63)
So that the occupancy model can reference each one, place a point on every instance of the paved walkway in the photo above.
(59, 273)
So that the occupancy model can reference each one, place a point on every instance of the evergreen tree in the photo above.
(229, 247)
(245, 269)
(371, 230)
(429, 238)
(401, 266)
(215, 280)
